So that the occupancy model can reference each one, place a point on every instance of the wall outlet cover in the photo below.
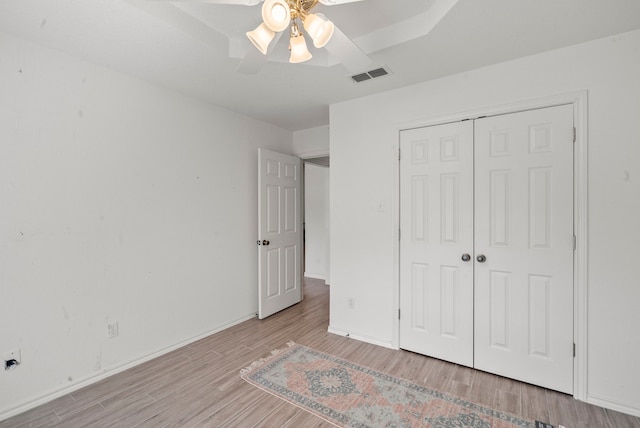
(113, 330)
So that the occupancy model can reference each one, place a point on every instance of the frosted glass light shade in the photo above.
(261, 37)
(319, 29)
(276, 14)
(299, 51)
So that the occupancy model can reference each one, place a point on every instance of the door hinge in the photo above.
(575, 242)
(574, 350)
(398, 313)
(399, 154)
(575, 132)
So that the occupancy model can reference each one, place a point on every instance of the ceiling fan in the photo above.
(299, 17)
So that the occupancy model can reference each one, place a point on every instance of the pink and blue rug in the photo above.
(348, 395)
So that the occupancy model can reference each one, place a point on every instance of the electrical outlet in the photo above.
(12, 359)
(113, 330)
(351, 303)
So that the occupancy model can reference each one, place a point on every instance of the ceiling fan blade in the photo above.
(342, 48)
(180, 20)
(234, 2)
(254, 60)
(335, 2)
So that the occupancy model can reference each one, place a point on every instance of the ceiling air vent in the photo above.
(361, 77)
(372, 74)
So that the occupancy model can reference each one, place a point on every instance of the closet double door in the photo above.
(487, 243)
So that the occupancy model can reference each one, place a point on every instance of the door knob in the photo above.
(265, 242)
(466, 257)
(481, 258)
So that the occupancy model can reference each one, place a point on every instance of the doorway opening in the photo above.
(316, 218)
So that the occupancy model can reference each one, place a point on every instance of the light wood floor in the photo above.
(199, 385)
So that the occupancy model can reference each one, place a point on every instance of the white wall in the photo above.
(327, 232)
(315, 220)
(121, 201)
(312, 142)
(363, 228)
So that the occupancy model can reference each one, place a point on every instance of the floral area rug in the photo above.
(348, 395)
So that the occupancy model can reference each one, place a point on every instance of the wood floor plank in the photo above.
(534, 403)
(266, 405)
(199, 384)
(440, 375)
(92, 394)
(307, 420)
(562, 409)
(280, 417)
(41, 415)
(484, 384)
(175, 411)
(508, 396)
(89, 416)
(413, 367)
(621, 420)
(232, 410)
(46, 420)
(590, 416)
(461, 381)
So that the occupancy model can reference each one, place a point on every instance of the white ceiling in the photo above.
(195, 48)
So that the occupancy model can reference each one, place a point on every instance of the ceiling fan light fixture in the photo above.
(261, 37)
(276, 14)
(299, 50)
(319, 29)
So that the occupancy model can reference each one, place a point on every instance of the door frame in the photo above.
(579, 101)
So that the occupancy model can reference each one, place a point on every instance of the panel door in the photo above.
(524, 229)
(279, 232)
(436, 220)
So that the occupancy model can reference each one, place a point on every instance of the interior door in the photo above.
(436, 246)
(279, 232)
(524, 246)
(486, 248)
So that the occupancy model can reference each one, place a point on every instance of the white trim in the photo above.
(96, 378)
(580, 224)
(579, 101)
(314, 276)
(610, 403)
(310, 154)
(361, 338)
(395, 221)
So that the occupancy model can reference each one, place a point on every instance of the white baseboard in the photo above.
(612, 404)
(110, 372)
(362, 338)
(314, 276)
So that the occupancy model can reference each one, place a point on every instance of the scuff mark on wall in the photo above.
(98, 365)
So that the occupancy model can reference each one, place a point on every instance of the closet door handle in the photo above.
(481, 258)
(466, 257)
